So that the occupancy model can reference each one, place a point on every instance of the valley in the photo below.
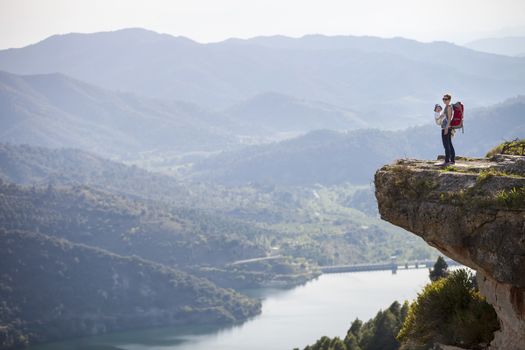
(151, 181)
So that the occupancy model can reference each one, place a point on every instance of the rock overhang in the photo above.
(473, 212)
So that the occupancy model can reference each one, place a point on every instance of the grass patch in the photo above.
(513, 198)
(450, 168)
(453, 169)
(515, 147)
(477, 197)
(485, 175)
(456, 198)
(411, 187)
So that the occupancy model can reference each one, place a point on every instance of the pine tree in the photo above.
(440, 269)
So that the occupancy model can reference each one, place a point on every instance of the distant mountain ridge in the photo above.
(278, 113)
(329, 157)
(510, 46)
(369, 75)
(54, 110)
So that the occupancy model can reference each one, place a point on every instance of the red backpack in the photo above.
(457, 116)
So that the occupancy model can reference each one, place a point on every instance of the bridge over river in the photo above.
(392, 266)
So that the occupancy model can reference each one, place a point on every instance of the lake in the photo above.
(289, 318)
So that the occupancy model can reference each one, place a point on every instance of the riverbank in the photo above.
(290, 317)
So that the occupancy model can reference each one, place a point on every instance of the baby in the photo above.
(437, 114)
(440, 118)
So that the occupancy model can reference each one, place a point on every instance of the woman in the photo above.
(446, 132)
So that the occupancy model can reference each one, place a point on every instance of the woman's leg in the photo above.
(451, 147)
(446, 144)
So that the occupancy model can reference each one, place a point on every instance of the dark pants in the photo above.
(450, 154)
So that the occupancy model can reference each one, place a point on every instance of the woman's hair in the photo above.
(447, 97)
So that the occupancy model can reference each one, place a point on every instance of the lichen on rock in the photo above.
(474, 212)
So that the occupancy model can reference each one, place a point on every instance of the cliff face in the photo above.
(474, 213)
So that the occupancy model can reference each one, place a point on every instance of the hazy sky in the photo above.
(23, 22)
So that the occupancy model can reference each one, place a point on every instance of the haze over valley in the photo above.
(149, 180)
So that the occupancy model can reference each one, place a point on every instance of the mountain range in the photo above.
(372, 76)
(57, 111)
(53, 110)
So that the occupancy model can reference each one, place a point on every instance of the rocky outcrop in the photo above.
(474, 212)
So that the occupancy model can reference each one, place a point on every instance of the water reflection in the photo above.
(289, 318)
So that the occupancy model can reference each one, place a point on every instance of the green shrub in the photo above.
(449, 311)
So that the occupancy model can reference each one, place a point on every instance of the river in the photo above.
(289, 318)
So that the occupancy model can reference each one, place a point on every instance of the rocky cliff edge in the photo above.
(473, 212)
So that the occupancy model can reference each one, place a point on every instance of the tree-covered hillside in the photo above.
(198, 242)
(323, 224)
(167, 235)
(26, 165)
(51, 288)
